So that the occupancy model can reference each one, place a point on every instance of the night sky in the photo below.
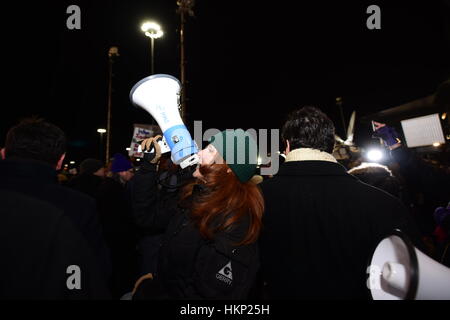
(248, 62)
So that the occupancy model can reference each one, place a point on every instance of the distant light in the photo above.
(138, 159)
(436, 144)
(259, 161)
(375, 155)
(72, 162)
(152, 30)
(128, 149)
(101, 130)
(113, 52)
(444, 116)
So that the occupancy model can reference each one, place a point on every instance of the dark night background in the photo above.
(248, 62)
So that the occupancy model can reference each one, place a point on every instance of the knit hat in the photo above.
(90, 166)
(120, 163)
(441, 213)
(239, 150)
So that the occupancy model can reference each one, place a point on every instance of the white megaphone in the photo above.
(399, 271)
(159, 95)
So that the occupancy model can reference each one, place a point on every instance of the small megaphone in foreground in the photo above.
(399, 271)
(159, 95)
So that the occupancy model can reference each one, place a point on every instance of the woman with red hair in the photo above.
(209, 248)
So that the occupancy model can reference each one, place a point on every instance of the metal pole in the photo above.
(152, 45)
(184, 7)
(182, 71)
(344, 127)
(101, 147)
(112, 53)
(109, 117)
(343, 121)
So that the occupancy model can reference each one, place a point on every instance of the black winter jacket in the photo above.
(321, 226)
(190, 266)
(39, 180)
(38, 244)
(429, 186)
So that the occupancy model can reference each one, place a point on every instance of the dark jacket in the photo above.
(190, 266)
(39, 180)
(113, 205)
(429, 186)
(320, 228)
(146, 197)
(38, 243)
(114, 209)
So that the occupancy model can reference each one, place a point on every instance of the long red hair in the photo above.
(225, 203)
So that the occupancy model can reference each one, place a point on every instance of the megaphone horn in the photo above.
(159, 95)
(399, 271)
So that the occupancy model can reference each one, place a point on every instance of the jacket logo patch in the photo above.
(225, 274)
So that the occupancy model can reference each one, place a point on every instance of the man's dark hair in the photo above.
(308, 127)
(35, 139)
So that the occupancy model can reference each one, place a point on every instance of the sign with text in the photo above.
(141, 132)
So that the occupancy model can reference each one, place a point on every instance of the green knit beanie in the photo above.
(239, 150)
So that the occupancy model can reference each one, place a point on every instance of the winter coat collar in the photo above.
(27, 169)
(308, 154)
(313, 168)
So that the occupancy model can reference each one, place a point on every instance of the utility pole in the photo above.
(339, 105)
(112, 53)
(184, 7)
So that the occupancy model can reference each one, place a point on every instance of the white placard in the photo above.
(140, 133)
(423, 131)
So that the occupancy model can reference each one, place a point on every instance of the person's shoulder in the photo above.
(17, 208)
(73, 197)
(271, 181)
(275, 184)
(18, 202)
(376, 195)
(111, 183)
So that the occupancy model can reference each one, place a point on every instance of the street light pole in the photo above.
(101, 146)
(339, 104)
(182, 69)
(153, 31)
(152, 51)
(112, 53)
(184, 7)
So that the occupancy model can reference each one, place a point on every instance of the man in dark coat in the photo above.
(34, 150)
(43, 256)
(114, 210)
(321, 224)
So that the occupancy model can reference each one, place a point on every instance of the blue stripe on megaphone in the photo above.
(178, 131)
(180, 142)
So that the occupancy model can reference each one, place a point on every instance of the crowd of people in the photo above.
(214, 230)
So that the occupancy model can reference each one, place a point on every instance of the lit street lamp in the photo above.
(153, 31)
